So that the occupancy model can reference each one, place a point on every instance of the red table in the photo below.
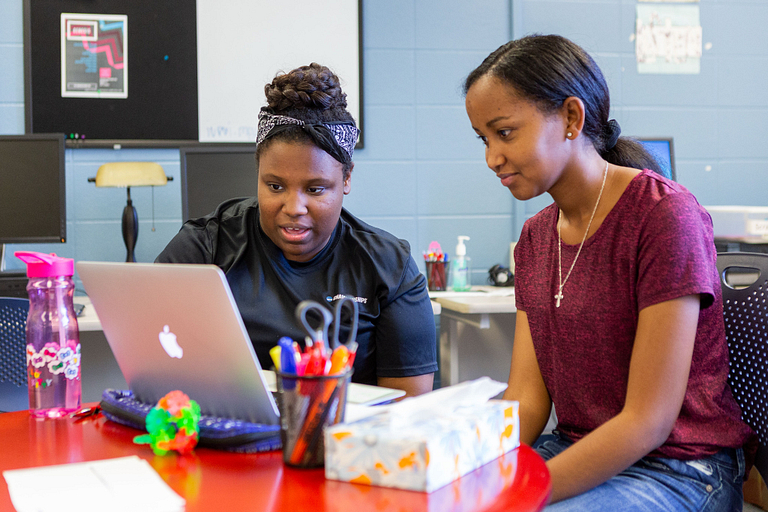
(213, 480)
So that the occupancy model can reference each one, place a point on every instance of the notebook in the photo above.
(177, 326)
(358, 394)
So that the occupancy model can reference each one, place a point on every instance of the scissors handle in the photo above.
(320, 334)
(337, 321)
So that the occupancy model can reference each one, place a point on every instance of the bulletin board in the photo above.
(161, 103)
(242, 44)
(180, 71)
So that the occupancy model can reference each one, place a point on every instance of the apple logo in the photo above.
(169, 343)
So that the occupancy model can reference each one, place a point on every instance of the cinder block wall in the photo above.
(422, 174)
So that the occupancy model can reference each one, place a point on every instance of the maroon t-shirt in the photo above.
(655, 245)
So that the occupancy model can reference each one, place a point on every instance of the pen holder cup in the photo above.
(436, 275)
(308, 404)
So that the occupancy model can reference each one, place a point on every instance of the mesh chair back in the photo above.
(745, 311)
(13, 340)
(13, 350)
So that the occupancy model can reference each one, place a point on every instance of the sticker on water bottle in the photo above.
(58, 360)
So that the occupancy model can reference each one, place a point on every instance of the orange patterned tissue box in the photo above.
(425, 454)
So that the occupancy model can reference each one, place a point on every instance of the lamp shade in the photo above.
(130, 174)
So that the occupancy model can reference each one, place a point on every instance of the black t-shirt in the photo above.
(396, 334)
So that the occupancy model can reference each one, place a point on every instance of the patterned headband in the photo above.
(344, 134)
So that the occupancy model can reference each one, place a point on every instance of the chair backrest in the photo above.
(13, 350)
(745, 312)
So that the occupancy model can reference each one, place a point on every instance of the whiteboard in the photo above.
(242, 44)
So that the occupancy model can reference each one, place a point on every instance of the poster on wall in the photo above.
(94, 55)
(668, 39)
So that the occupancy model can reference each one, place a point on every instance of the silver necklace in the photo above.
(559, 295)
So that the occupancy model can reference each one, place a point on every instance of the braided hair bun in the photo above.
(310, 87)
(311, 94)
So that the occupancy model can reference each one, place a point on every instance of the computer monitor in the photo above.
(32, 189)
(213, 173)
(662, 148)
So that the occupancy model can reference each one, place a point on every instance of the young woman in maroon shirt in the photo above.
(619, 321)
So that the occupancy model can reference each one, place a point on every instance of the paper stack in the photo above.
(122, 484)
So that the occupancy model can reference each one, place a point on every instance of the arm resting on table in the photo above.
(412, 386)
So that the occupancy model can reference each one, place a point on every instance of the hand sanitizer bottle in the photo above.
(460, 268)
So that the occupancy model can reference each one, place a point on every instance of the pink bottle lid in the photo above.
(46, 265)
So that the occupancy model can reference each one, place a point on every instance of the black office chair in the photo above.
(745, 311)
(13, 349)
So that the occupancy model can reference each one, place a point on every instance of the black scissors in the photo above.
(328, 318)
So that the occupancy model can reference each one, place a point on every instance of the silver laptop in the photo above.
(174, 326)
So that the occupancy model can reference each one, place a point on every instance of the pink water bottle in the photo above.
(53, 338)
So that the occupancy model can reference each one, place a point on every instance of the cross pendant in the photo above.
(558, 297)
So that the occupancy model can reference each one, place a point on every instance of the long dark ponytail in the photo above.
(547, 69)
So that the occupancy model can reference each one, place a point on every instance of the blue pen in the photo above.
(287, 359)
(287, 362)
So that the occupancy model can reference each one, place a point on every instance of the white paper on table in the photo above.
(121, 484)
(359, 394)
(356, 412)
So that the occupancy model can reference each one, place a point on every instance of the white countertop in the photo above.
(88, 320)
(479, 300)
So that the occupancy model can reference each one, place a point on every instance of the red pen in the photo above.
(317, 360)
(301, 366)
(296, 352)
(352, 353)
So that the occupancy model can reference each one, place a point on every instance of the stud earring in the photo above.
(569, 135)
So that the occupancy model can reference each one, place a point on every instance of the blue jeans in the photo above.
(712, 484)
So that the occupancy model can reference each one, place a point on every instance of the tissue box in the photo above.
(424, 455)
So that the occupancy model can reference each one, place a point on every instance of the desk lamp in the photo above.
(130, 174)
